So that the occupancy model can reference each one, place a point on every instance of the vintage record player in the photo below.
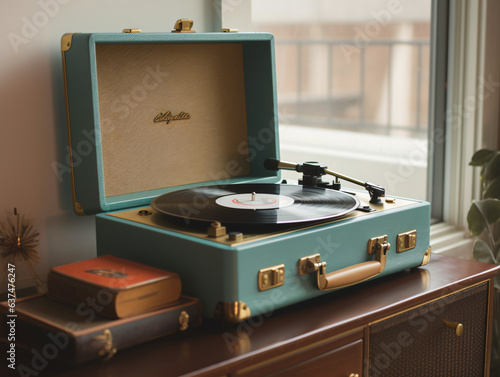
(174, 143)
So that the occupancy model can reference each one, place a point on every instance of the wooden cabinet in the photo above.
(401, 325)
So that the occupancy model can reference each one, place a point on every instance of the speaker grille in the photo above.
(417, 343)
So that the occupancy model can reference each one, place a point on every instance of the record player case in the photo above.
(153, 113)
(149, 113)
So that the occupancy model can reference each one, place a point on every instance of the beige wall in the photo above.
(33, 129)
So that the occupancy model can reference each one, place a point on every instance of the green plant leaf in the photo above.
(482, 252)
(475, 221)
(492, 190)
(487, 208)
(481, 157)
(491, 209)
(492, 168)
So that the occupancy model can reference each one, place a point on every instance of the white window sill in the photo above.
(449, 240)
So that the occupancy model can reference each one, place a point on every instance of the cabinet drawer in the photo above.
(339, 356)
(340, 362)
(419, 343)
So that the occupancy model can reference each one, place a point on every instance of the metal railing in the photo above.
(296, 105)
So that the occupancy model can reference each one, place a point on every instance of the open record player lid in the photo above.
(149, 113)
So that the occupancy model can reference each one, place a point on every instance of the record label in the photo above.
(254, 201)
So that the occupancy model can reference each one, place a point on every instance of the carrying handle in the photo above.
(346, 276)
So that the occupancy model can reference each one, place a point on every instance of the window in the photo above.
(369, 142)
(353, 87)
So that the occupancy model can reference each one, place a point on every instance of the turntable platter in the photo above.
(255, 204)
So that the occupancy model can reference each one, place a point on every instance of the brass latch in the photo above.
(183, 321)
(131, 31)
(271, 277)
(183, 25)
(107, 351)
(228, 30)
(406, 241)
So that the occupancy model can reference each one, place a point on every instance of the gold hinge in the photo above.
(132, 31)
(227, 30)
(183, 25)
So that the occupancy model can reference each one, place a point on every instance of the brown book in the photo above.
(113, 287)
(50, 329)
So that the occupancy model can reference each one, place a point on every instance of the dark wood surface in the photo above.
(215, 350)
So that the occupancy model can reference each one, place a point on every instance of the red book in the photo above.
(113, 287)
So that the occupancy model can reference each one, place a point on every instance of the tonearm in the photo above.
(312, 172)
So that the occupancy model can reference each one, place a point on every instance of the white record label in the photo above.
(254, 201)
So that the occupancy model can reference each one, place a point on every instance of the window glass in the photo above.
(353, 87)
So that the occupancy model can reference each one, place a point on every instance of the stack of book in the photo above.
(98, 306)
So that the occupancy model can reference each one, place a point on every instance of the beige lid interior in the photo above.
(201, 84)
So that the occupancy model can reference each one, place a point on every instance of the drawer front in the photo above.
(419, 342)
(341, 362)
(340, 356)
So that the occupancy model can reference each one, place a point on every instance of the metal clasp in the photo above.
(406, 241)
(183, 321)
(271, 277)
(183, 25)
(378, 242)
(108, 350)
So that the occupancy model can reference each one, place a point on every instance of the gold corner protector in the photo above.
(78, 209)
(232, 312)
(66, 40)
(427, 257)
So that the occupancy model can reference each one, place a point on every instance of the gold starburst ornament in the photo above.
(18, 242)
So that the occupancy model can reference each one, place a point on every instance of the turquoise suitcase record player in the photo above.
(174, 145)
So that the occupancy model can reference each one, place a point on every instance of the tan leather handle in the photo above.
(353, 274)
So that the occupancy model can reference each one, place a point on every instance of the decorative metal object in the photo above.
(18, 242)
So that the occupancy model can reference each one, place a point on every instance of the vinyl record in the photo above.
(255, 204)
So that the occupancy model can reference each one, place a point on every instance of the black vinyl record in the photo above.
(255, 204)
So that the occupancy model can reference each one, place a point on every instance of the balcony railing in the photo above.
(328, 109)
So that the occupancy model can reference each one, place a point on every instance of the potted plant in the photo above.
(483, 221)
